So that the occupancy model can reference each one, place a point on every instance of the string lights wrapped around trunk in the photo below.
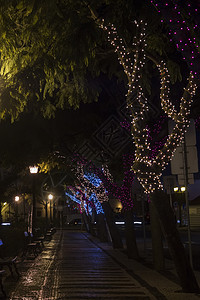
(147, 169)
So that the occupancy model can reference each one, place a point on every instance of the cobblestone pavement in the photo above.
(75, 266)
(72, 267)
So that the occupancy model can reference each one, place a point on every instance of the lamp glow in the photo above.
(50, 196)
(16, 198)
(33, 169)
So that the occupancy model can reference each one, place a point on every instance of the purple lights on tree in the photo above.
(183, 22)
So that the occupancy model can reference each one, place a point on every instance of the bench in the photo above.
(2, 273)
(37, 240)
(49, 233)
(32, 248)
(10, 262)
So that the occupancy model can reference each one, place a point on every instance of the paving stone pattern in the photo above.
(72, 267)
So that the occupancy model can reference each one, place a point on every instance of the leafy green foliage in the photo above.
(45, 51)
(51, 51)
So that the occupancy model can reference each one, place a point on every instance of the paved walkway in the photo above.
(75, 265)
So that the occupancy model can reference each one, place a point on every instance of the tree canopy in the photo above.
(52, 52)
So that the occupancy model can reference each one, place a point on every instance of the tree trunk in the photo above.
(115, 236)
(85, 221)
(131, 245)
(185, 273)
(102, 233)
(157, 241)
(88, 224)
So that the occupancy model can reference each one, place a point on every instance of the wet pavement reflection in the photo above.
(72, 267)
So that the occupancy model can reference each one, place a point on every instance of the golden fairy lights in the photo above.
(149, 171)
(107, 173)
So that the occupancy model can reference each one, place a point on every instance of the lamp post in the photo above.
(180, 191)
(50, 197)
(185, 191)
(16, 200)
(46, 213)
(33, 171)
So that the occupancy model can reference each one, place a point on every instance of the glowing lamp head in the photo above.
(50, 196)
(183, 189)
(33, 169)
(16, 198)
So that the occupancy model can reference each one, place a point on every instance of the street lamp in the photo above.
(16, 200)
(33, 170)
(180, 190)
(183, 189)
(46, 213)
(50, 197)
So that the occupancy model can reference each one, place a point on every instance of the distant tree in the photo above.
(95, 189)
(121, 191)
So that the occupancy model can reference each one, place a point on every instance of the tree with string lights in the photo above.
(123, 192)
(95, 190)
(86, 207)
(149, 171)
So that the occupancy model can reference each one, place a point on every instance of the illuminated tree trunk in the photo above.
(176, 248)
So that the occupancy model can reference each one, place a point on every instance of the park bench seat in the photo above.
(49, 234)
(2, 273)
(37, 240)
(10, 262)
(30, 248)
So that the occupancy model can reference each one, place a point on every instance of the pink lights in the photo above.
(184, 35)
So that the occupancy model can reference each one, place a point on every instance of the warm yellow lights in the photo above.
(181, 189)
(148, 170)
(33, 169)
(16, 198)
(50, 197)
